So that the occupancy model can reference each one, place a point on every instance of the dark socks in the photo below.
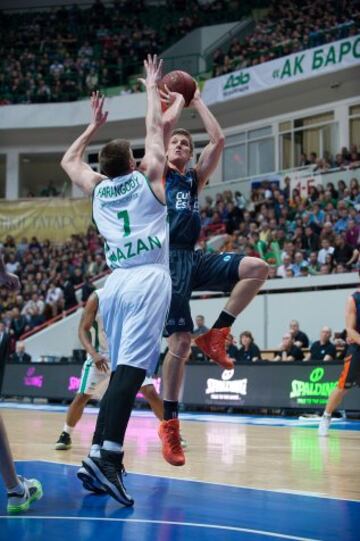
(171, 410)
(120, 398)
(224, 320)
(100, 421)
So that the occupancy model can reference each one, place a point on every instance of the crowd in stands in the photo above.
(294, 346)
(343, 160)
(66, 52)
(49, 274)
(298, 235)
(287, 28)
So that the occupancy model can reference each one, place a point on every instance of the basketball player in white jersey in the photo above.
(130, 213)
(95, 374)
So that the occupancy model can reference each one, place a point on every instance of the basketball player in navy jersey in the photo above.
(195, 270)
(350, 376)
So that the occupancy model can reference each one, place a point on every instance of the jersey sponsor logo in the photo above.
(119, 189)
(134, 248)
(185, 201)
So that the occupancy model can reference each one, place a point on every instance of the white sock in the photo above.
(18, 489)
(325, 414)
(68, 428)
(95, 451)
(112, 446)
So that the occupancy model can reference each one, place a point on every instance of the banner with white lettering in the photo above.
(295, 67)
(54, 218)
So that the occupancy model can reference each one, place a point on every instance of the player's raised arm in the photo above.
(73, 162)
(175, 103)
(87, 320)
(210, 156)
(153, 162)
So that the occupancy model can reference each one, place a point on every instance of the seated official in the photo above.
(300, 338)
(323, 349)
(230, 347)
(200, 328)
(288, 351)
(248, 351)
(20, 355)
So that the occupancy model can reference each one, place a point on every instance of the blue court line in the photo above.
(175, 510)
(229, 418)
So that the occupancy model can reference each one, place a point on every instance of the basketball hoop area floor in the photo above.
(246, 478)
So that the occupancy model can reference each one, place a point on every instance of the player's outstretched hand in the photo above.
(153, 71)
(101, 363)
(10, 281)
(97, 103)
(168, 97)
(196, 98)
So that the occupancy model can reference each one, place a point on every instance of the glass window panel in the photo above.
(237, 138)
(234, 162)
(2, 176)
(285, 126)
(314, 119)
(330, 141)
(261, 157)
(286, 151)
(260, 132)
(355, 110)
(355, 132)
(306, 141)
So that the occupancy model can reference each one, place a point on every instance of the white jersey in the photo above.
(132, 221)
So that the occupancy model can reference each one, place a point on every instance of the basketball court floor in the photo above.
(246, 478)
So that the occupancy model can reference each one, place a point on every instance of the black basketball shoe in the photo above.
(90, 482)
(64, 442)
(109, 471)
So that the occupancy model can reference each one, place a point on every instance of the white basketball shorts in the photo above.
(133, 306)
(93, 382)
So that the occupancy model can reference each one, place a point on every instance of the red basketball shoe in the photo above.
(169, 433)
(212, 343)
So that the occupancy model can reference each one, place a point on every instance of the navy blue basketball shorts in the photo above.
(197, 271)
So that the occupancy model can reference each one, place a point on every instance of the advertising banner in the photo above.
(53, 218)
(267, 385)
(272, 385)
(42, 380)
(288, 69)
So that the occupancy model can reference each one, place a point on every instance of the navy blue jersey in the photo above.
(183, 208)
(356, 297)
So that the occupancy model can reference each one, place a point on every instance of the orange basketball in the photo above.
(181, 82)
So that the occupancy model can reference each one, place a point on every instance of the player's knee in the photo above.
(253, 268)
(148, 391)
(179, 345)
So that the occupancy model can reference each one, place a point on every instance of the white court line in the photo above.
(239, 419)
(246, 487)
(167, 522)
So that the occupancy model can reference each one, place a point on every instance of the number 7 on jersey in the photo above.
(124, 215)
